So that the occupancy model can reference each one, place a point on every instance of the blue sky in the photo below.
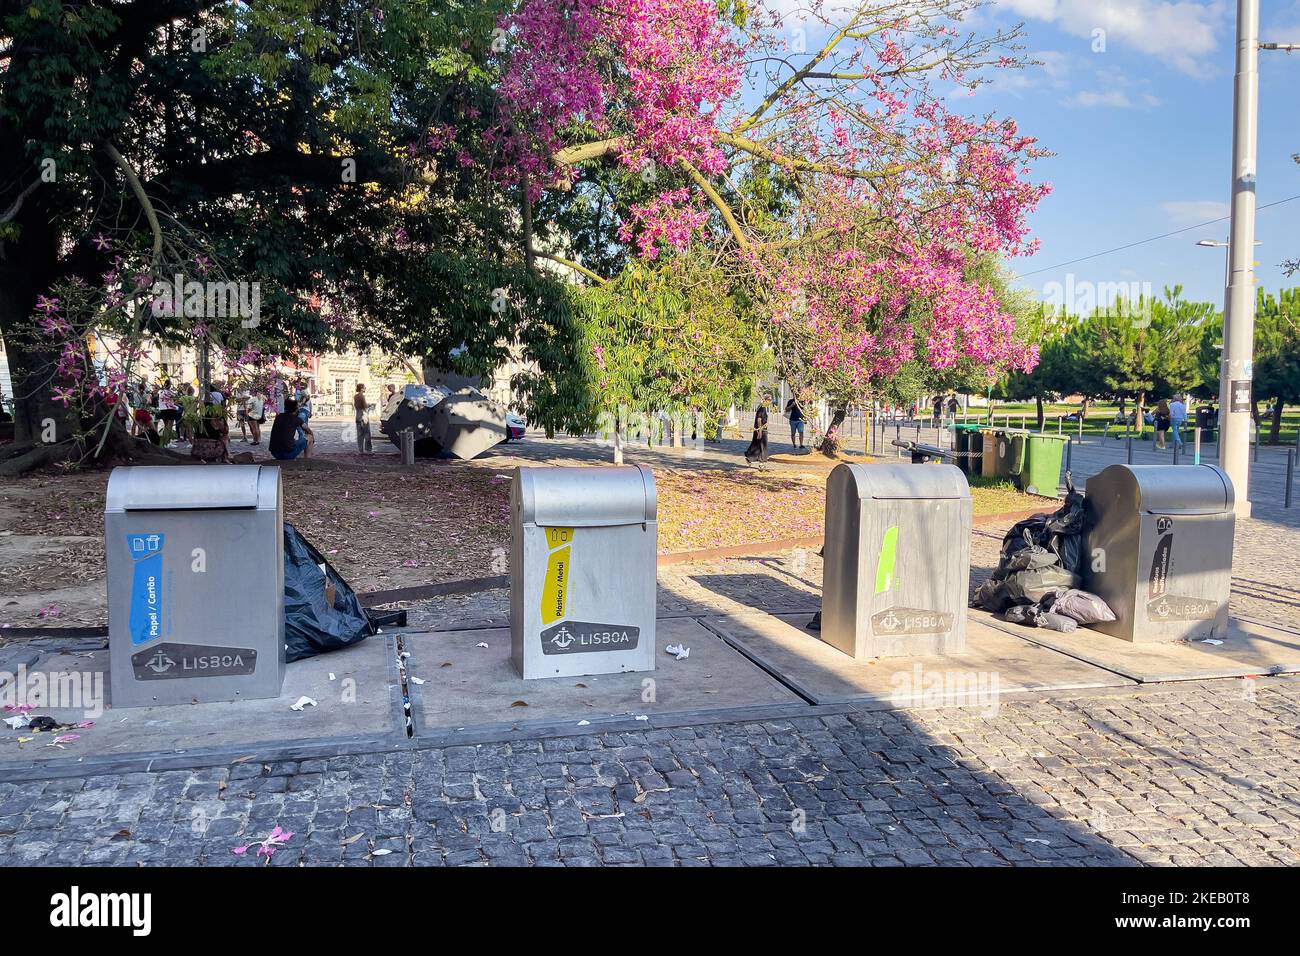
(1142, 132)
(1141, 125)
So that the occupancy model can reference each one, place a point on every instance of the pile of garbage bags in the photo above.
(1037, 579)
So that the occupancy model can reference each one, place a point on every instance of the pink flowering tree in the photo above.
(821, 158)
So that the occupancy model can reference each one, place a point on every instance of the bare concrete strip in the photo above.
(1250, 648)
(994, 663)
(467, 685)
(359, 701)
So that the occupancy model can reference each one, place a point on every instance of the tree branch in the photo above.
(771, 155)
(723, 209)
(13, 210)
(134, 182)
(572, 155)
(576, 266)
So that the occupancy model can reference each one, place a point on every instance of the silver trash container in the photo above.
(582, 570)
(1160, 550)
(195, 558)
(896, 571)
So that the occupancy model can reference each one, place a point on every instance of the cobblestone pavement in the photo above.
(1192, 773)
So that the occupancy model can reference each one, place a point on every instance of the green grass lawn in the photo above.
(1102, 414)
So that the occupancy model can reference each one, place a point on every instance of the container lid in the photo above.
(190, 487)
(600, 496)
(1165, 489)
(904, 480)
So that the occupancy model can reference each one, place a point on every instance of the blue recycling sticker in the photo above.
(146, 620)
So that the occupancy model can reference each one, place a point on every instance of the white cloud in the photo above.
(1114, 99)
(1115, 91)
(1182, 33)
(1189, 212)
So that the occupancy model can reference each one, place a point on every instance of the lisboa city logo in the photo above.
(209, 300)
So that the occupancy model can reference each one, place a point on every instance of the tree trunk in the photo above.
(1139, 419)
(831, 446)
(1275, 429)
(1038, 399)
(27, 269)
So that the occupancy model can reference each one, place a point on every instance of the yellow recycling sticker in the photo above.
(555, 589)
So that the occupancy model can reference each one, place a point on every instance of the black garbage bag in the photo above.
(1031, 586)
(992, 596)
(321, 611)
(1034, 615)
(1031, 558)
(1060, 532)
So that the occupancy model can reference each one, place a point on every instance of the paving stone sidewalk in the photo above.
(1193, 773)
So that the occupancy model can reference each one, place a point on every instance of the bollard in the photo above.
(408, 447)
(1080, 426)
(898, 434)
(1290, 468)
(1196, 438)
(1128, 437)
(1176, 452)
(1069, 449)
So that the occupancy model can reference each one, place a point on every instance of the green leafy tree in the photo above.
(324, 149)
(1277, 356)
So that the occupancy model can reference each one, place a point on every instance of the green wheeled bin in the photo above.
(970, 448)
(1042, 469)
(1009, 453)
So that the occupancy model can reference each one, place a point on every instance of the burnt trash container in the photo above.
(897, 560)
(970, 448)
(195, 559)
(583, 561)
(1159, 550)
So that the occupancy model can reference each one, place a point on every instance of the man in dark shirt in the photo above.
(794, 412)
(290, 435)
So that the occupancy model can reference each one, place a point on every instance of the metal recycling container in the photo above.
(1041, 472)
(195, 558)
(897, 560)
(582, 570)
(1159, 549)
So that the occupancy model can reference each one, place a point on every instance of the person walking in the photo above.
(794, 412)
(757, 450)
(1177, 418)
(1160, 420)
(241, 411)
(256, 416)
(168, 412)
(365, 443)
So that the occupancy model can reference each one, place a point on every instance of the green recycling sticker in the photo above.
(885, 564)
